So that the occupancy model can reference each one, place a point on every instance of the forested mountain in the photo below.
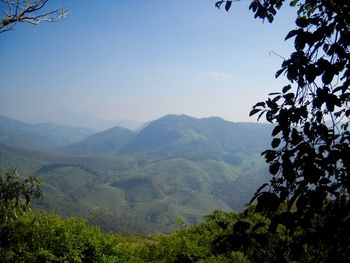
(199, 139)
(39, 136)
(106, 142)
(175, 166)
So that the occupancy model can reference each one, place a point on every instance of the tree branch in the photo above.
(27, 11)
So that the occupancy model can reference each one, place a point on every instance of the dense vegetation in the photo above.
(30, 236)
(308, 195)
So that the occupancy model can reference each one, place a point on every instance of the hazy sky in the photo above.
(141, 59)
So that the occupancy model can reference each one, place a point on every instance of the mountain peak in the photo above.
(183, 135)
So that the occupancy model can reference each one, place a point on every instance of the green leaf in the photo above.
(291, 34)
(327, 77)
(277, 98)
(267, 202)
(279, 72)
(253, 6)
(311, 73)
(269, 155)
(253, 111)
(286, 88)
(270, 18)
(276, 130)
(228, 5)
(274, 168)
(289, 96)
(260, 188)
(302, 22)
(275, 142)
(260, 115)
(219, 3)
(299, 42)
(260, 104)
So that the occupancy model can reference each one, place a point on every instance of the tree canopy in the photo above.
(309, 159)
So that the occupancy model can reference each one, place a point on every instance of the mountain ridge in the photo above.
(106, 142)
(38, 136)
(210, 135)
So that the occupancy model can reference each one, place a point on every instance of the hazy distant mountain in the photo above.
(82, 119)
(39, 136)
(106, 142)
(179, 136)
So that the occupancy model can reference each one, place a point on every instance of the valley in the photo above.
(126, 181)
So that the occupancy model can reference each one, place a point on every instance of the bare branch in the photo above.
(27, 11)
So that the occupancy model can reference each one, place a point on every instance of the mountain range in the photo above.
(85, 119)
(39, 136)
(176, 166)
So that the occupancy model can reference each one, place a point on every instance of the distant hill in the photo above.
(39, 136)
(82, 119)
(106, 142)
(176, 166)
(181, 135)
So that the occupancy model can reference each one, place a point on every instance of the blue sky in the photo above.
(142, 59)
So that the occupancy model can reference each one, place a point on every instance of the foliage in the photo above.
(15, 195)
(188, 244)
(309, 159)
(46, 237)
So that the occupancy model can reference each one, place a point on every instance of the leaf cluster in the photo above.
(309, 155)
(16, 192)
(308, 193)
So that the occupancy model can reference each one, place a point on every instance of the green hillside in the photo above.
(39, 136)
(207, 138)
(106, 142)
(177, 166)
(154, 194)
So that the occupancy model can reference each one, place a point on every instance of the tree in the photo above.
(16, 192)
(309, 159)
(27, 11)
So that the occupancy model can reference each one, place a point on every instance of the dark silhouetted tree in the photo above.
(307, 198)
